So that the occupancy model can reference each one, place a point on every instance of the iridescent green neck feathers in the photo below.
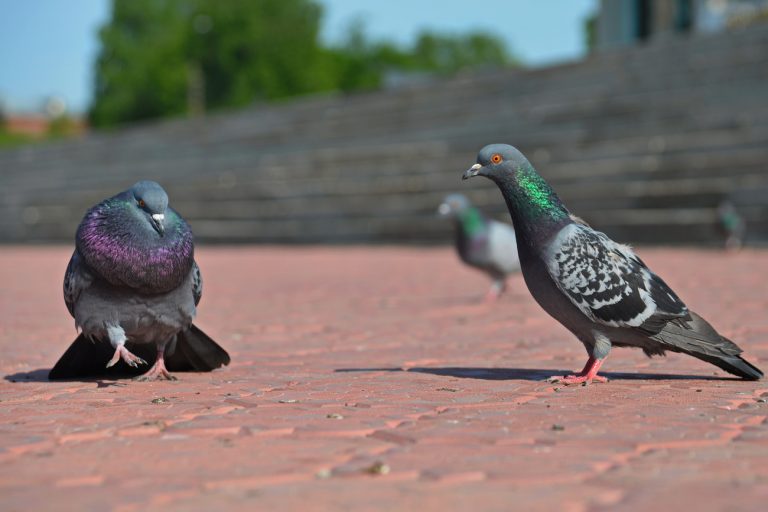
(539, 196)
(472, 221)
(531, 201)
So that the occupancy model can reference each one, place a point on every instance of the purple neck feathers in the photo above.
(121, 246)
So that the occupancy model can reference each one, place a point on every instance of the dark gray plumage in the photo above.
(598, 289)
(132, 285)
(482, 243)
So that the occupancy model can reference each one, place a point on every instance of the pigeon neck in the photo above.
(119, 244)
(472, 221)
(535, 208)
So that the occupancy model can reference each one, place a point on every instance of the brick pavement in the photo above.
(372, 379)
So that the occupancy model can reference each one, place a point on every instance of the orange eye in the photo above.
(141, 203)
(496, 159)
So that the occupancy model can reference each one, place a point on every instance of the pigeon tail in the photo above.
(697, 338)
(196, 351)
(735, 365)
(86, 358)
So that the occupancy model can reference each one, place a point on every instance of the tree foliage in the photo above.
(160, 58)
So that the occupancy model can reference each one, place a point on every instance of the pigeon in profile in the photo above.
(598, 289)
(482, 243)
(132, 286)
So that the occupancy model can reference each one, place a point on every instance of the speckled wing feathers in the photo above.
(197, 283)
(609, 283)
(76, 279)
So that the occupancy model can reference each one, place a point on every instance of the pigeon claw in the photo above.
(157, 372)
(154, 374)
(585, 376)
(494, 292)
(123, 353)
(570, 380)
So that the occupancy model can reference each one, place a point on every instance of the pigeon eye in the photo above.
(141, 203)
(496, 158)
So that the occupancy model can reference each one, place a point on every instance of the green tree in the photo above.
(141, 71)
(267, 50)
(362, 64)
(448, 53)
(359, 64)
(151, 49)
(163, 58)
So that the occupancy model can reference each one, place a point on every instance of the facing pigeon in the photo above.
(132, 285)
(482, 243)
(598, 289)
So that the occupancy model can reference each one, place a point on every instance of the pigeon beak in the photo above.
(443, 210)
(472, 171)
(157, 223)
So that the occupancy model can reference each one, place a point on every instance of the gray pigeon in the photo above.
(132, 286)
(598, 289)
(482, 243)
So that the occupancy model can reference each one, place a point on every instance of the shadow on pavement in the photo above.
(533, 374)
(41, 375)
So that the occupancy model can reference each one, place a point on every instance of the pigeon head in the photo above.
(453, 205)
(497, 162)
(531, 201)
(150, 198)
(467, 219)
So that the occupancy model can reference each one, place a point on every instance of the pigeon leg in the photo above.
(117, 339)
(585, 376)
(123, 353)
(494, 292)
(158, 370)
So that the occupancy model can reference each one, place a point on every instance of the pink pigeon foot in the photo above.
(123, 353)
(494, 292)
(158, 370)
(585, 376)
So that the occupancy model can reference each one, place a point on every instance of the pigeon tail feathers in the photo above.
(86, 358)
(196, 351)
(697, 338)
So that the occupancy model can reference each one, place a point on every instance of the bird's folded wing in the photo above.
(503, 247)
(197, 283)
(609, 283)
(76, 279)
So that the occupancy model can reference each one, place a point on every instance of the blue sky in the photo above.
(47, 47)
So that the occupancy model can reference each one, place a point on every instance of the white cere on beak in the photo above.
(158, 217)
(443, 209)
(476, 167)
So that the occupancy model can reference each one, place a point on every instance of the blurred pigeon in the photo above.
(598, 289)
(482, 243)
(132, 285)
(732, 225)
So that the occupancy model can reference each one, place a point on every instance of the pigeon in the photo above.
(598, 289)
(482, 243)
(132, 286)
(732, 225)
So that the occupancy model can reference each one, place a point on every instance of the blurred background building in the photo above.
(262, 134)
(621, 23)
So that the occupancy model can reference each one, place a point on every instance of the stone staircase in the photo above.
(642, 143)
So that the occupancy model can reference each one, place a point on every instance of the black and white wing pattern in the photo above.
(76, 279)
(609, 283)
(197, 283)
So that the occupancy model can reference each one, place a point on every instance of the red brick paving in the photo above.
(371, 379)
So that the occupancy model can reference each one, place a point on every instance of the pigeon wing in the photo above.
(76, 279)
(197, 283)
(503, 247)
(609, 283)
